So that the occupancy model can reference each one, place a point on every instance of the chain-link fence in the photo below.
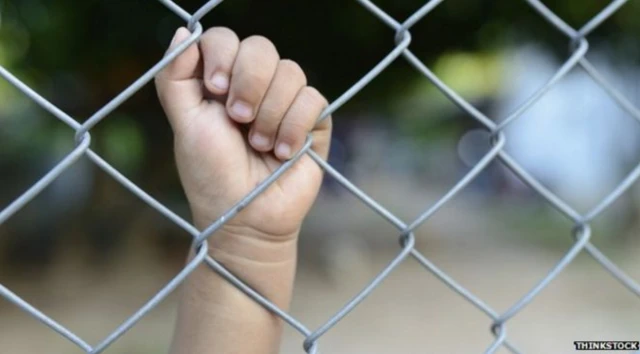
(495, 126)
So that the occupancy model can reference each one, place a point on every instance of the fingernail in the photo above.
(242, 110)
(175, 37)
(283, 151)
(259, 140)
(220, 81)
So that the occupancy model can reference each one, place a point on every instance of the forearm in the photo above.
(238, 112)
(216, 318)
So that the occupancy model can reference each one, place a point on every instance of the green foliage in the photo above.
(80, 54)
(123, 143)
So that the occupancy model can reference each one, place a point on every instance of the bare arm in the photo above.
(209, 93)
(215, 317)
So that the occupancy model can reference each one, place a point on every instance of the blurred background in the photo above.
(88, 253)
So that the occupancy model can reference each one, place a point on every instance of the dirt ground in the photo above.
(346, 245)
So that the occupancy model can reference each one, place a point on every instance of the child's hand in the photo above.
(237, 111)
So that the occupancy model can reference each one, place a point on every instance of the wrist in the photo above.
(265, 262)
(244, 245)
(236, 240)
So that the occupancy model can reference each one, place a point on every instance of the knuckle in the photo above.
(260, 44)
(269, 114)
(253, 76)
(315, 97)
(219, 32)
(219, 46)
(293, 129)
(251, 84)
(292, 70)
(267, 130)
(249, 94)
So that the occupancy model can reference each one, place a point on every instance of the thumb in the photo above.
(178, 84)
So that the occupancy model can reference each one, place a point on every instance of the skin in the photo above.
(238, 111)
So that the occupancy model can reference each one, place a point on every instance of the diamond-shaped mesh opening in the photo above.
(577, 15)
(576, 140)
(18, 330)
(416, 136)
(352, 251)
(136, 143)
(26, 246)
(118, 245)
(54, 143)
(342, 240)
(585, 225)
(33, 141)
(81, 74)
(472, 240)
(567, 295)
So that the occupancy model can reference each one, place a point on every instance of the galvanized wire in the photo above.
(495, 126)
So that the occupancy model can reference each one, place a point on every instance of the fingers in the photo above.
(219, 46)
(178, 84)
(322, 136)
(243, 70)
(299, 120)
(260, 89)
(263, 90)
(288, 80)
(251, 76)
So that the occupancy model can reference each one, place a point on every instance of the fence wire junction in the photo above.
(581, 231)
